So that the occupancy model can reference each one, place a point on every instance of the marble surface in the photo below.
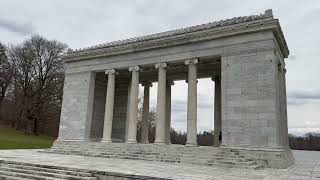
(305, 168)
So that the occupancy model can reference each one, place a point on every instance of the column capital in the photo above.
(111, 71)
(187, 81)
(282, 68)
(191, 61)
(134, 68)
(170, 82)
(215, 78)
(146, 83)
(162, 65)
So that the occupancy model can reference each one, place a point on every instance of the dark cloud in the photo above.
(302, 97)
(292, 57)
(178, 106)
(20, 28)
(181, 105)
(312, 95)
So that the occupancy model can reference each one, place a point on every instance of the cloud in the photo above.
(300, 131)
(301, 97)
(292, 57)
(179, 106)
(20, 28)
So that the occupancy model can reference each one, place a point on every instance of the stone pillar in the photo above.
(77, 106)
(192, 102)
(168, 112)
(286, 136)
(133, 109)
(161, 104)
(128, 110)
(108, 115)
(217, 111)
(145, 113)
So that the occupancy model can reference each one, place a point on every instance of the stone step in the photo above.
(25, 176)
(229, 156)
(151, 150)
(132, 152)
(173, 154)
(228, 153)
(4, 177)
(231, 159)
(45, 174)
(137, 152)
(165, 158)
(253, 167)
(248, 163)
(150, 156)
(45, 166)
(50, 170)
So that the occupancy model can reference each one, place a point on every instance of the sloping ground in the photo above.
(12, 139)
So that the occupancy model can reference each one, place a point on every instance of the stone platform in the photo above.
(196, 155)
(105, 168)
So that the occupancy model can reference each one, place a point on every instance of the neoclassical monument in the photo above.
(244, 56)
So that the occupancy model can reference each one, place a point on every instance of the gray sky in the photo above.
(84, 23)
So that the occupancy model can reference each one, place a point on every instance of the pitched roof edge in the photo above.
(116, 45)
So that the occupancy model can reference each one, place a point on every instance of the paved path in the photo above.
(304, 170)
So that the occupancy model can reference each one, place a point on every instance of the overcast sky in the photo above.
(84, 23)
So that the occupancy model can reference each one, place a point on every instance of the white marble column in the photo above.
(145, 113)
(217, 111)
(108, 115)
(133, 109)
(161, 104)
(192, 102)
(168, 111)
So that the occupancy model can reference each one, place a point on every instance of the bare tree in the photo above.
(38, 79)
(5, 73)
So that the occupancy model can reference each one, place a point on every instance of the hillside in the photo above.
(12, 139)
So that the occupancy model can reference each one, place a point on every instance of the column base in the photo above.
(131, 141)
(159, 142)
(106, 141)
(191, 145)
(144, 142)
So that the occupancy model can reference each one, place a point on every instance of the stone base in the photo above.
(120, 169)
(271, 158)
(247, 158)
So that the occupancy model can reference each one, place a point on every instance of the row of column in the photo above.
(163, 111)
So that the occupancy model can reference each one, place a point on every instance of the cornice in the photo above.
(209, 31)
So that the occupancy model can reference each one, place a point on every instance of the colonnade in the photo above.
(163, 109)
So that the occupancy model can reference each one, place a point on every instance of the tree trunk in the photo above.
(35, 127)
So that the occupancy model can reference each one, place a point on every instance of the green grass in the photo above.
(12, 139)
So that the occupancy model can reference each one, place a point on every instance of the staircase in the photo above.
(232, 158)
(25, 171)
(207, 156)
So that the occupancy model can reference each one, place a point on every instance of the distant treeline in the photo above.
(310, 141)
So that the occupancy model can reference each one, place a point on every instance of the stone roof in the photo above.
(171, 33)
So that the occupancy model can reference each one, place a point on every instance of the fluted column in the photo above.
(168, 112)
(145, 113)
(217, 111)
(108, 115)
(192, 102)
(161, 104)
(133, 109)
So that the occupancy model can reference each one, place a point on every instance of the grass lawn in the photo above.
(12, 139)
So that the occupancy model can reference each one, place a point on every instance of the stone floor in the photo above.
(302, 170)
